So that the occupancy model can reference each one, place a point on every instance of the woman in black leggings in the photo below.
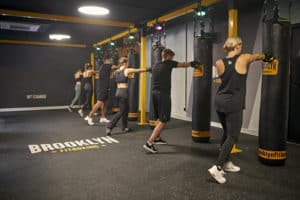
(121, 76)
(87, 88)
(230, 101)
(76, 99)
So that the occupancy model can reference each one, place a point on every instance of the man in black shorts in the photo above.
(102, 92)
(161, 94)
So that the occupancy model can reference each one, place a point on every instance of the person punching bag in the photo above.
(273, 122)
(202, 83)
(133, 87)
(155, 58)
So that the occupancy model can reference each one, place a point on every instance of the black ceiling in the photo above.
(135, 11)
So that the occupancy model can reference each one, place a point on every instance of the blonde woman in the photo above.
(230, 101)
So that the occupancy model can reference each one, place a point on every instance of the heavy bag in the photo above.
(113, 101)
(202, 83)
(96, 80)
(156, 57)
(133, 87)
(273, 122)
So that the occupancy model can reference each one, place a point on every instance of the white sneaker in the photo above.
(80, 113)
(218, 175)
(90, 121)
(86, 118)
(104, 120)
(230, 167)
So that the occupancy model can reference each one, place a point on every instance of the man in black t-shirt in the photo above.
(102, 92)
(161, 94)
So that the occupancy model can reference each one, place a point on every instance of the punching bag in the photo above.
(202, 83)
(133, 87)
(113, 102)
(156, 57)
(96, 80)
(273, 122)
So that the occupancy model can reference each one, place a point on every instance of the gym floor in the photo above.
(123, 170)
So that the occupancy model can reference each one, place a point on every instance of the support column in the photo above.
(143, 80)
(93, 77)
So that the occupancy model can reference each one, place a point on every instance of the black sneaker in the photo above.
(160, 141)
(126, 130)
(108, 131)
(150, 148)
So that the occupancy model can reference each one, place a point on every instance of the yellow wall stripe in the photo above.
(63, 18)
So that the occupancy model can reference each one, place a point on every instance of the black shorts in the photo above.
(102, 95)
(161, 105)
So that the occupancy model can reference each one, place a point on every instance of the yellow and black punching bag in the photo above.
(113, 101)
(133, 87)
(156, 57)
(202, 81)
(273, 122)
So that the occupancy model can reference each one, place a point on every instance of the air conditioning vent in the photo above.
(15, 26)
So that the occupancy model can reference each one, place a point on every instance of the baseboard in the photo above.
(34, 108)
(180, 117)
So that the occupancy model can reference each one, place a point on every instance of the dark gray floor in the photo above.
(124, 170)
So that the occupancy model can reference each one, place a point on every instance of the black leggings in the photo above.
(232, 124)
(123, 113)
(88, 92)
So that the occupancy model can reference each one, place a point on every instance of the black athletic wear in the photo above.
(232, 91)
(230, 102)
(161, 75)
(123, 113)
(122, 94)
(161, 105)
(104, 79)
(232, 124)
(87, 80)
(88, 92)
(161, 89)
(121, 78)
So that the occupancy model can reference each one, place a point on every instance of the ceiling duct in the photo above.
(16, 26)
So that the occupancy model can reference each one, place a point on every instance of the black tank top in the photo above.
(78, 79)
(88, 80)
(231, 94)
(121, 78)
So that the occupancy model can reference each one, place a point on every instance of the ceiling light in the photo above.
(98, 48)
(201, 12)
(112, 43)
(93, 10)
(158, 27)
(59, 37)
(131, 36)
